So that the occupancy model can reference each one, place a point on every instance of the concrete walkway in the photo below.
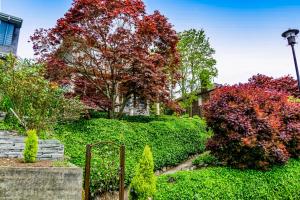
(184, 166)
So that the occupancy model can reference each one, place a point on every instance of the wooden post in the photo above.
(87, 172)
(122, 172)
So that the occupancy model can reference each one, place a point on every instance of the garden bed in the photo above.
(282, 182)
(15, 162)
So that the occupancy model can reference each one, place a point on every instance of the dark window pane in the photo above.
(6, 33)
(9, 34)
(2, 32)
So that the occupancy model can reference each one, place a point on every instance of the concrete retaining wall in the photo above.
(40, 183)
(12, 146)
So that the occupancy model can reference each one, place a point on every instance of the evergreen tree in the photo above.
(143, 185)
(31, 147)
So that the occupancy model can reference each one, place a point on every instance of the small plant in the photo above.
(31, 146)
(205, 159)
(143, 185)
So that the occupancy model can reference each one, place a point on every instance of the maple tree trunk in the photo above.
(112, 114)
(191, 111)
(121, 110)
(112, 110)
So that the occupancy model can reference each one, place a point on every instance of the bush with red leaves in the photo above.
(286, 84)
(291, 128)
(254, 127)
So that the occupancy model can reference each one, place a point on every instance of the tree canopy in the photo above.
(197, 66)
(109, 52)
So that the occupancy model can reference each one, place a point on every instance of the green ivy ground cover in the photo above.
(171, 139)
(224, 183)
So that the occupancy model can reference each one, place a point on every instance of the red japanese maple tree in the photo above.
(110, 52)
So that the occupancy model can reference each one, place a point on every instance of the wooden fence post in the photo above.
(122, 172)
(87, 172)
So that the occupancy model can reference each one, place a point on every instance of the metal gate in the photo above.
(109, 169)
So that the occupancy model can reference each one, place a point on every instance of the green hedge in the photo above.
(128, 118)
(171, 139)
(225, 183)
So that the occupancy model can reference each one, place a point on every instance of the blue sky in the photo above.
(245, 34)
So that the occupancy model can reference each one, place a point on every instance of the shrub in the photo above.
(128, 118)
(172, 140)
(70, 109)
(290, 130)
(143, 185)
(38, 103)
(282, 182)
(285, 84)
(205, 159)
(31, 146)
(247, 124)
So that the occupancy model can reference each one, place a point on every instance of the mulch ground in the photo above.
(13, 162)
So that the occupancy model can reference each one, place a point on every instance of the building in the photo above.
(9, 33)
(202, 97)
(137, 107)
(196, 107)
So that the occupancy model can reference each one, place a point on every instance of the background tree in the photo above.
(36, 102)
(197, 66)
(110, 52)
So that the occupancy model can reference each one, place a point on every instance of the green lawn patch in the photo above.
(282, 182)
(171, 139)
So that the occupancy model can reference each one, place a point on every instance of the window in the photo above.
(6, 33)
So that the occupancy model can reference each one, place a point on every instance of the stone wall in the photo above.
(40, 183)
(12, 146)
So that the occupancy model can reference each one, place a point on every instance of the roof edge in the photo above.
(11, 19)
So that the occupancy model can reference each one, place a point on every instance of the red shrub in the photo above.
(254, 127)
(286, 84)
(291, 128)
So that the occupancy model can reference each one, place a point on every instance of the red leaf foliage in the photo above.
(254, 126)
(291, 128)
(286, 84)
(111, 51)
